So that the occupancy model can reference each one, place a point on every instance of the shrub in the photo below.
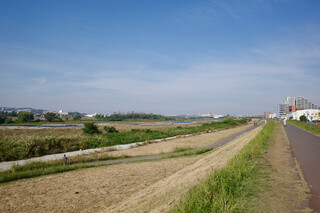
(229, 121)
(303, 118)
(147, 130)
(110, 129)
(90, 128)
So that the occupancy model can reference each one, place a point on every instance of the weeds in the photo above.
(181, 149)
(231, 189)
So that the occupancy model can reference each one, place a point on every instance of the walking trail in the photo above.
(306, 148)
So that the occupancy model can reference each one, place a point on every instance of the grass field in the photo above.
(232, 188)
(13, 147)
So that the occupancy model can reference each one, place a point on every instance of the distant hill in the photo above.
(26, 109)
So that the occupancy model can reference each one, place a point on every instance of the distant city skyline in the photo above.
(164, 57)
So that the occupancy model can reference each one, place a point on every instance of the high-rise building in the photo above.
(290, 101)
(299, 102)
(292, 104)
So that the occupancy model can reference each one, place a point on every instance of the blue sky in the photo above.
(168, 57)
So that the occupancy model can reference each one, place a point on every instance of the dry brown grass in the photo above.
(86, 189)
(159, 196)
(197, 141)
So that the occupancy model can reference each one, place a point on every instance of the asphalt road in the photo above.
(306, 149)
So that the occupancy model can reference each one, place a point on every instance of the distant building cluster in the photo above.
(210, 115)
(269, 115)
(39, 113)
(294, 107)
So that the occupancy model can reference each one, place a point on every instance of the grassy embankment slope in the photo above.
(34, 169)
(40, 168)
(232, 188)
(308, 127)
(23, 147)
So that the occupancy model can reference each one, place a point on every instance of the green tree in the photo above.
(77, 117)
(50, 116)
(303, 118)
(25, 117)
(90, 128)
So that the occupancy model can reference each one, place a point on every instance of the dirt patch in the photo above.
(197, 141)
(75, 191)
(159, 196)
(287, 193)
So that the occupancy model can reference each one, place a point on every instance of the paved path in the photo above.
(306, 148)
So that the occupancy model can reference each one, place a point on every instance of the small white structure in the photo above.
(311, 114)
(271, 115)
(91, 115)
(61, 113)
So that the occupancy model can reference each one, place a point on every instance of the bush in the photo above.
(229, 121)
(90, 128)
(147, 130)
(25, 117)
(303, 118)
(110, 129)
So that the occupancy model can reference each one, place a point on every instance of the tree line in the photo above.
(132, 116)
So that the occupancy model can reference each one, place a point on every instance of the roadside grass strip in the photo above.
(40, 168)
(232, 188)
(315, 129)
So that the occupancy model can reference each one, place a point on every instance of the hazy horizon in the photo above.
(165, 57)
